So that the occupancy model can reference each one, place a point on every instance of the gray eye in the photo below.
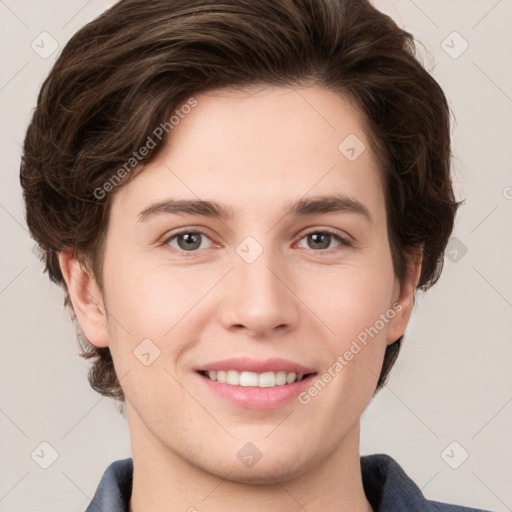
(187, 240)
(321, 240)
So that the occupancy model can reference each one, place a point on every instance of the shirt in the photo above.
(387, 488)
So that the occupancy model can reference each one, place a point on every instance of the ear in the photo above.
(403, 299)
(86, 298)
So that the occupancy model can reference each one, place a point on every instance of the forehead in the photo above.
(271, 118)
(272, 143)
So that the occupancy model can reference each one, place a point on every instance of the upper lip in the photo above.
(246, 364)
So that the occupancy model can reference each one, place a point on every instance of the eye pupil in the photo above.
(192, 240)
(316, 239)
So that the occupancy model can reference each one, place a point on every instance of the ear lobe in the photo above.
(86, 298)
(403, 300)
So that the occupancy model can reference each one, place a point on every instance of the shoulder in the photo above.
(115, 488)
(389, 489)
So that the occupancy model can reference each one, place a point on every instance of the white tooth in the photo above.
(249, 379)
(290, 377)
(233, 378)
(280, 378)
(267, 380)
(252, 379)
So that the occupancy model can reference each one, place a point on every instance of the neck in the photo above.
(164, 480)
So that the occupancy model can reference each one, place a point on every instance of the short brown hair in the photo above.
(124, 73)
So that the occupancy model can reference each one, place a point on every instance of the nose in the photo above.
(258, 297)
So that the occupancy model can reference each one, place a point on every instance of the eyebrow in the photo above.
(333, 203)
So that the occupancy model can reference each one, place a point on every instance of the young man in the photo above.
(240, 199)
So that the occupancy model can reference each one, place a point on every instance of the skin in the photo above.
(254, 151)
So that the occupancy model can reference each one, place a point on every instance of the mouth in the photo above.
(268, 379)
(250, 383)
(251, 390)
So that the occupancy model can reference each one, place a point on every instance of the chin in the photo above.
(264, 472)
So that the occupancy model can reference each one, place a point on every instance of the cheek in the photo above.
(151, 300)
(354, 352)
(353, 300)
(357, 309)
(158, 304)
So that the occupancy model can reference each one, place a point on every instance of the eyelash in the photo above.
(344, 242)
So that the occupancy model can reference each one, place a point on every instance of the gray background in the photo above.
(452, 383)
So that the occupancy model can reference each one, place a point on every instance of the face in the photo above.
(277, 290)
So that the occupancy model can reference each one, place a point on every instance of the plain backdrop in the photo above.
(446, 413)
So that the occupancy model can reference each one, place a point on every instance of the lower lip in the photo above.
(248, 397)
